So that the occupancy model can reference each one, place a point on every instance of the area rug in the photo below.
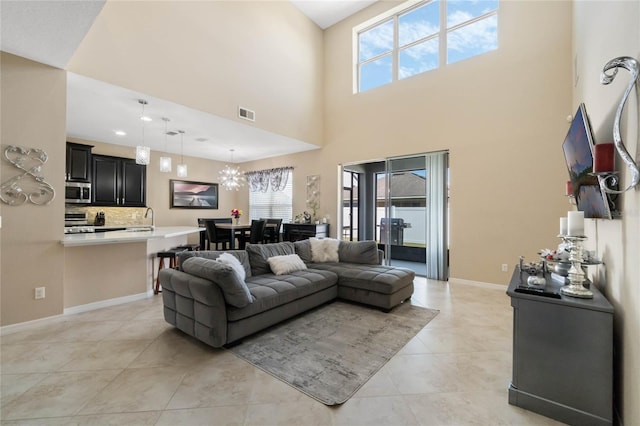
(330, 352)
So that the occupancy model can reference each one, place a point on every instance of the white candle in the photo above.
(575, 223)
(563, 226)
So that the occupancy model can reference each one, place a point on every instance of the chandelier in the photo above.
(143, 152)
(231, 177)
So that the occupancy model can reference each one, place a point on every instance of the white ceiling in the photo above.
(325, 13)
(50, 31)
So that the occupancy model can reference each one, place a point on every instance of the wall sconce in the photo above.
(609, 178)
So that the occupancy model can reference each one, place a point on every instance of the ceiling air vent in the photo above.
(246, 114)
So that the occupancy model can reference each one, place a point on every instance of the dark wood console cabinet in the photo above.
(118, 182)
(562, 354)
(303, 231)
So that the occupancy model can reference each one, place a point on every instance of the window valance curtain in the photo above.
(261, 179)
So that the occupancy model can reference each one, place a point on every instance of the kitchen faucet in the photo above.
(153, 217)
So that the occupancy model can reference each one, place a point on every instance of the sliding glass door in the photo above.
(401, 195)
(401, 202)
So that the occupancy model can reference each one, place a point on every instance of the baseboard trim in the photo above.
(478, 284)
(23, 326)
(105, 303)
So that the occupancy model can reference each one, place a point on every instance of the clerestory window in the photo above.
(422, 37)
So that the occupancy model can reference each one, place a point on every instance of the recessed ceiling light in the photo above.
(201, 139)
(120, 132)
(145, 118)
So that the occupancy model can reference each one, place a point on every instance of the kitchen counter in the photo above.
(130, 235)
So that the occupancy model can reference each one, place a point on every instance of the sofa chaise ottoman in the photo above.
(361, 276)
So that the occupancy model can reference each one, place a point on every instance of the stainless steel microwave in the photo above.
(77, 193)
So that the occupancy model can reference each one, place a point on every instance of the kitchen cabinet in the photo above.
(78, 167)
(562, 353)
(118, 182)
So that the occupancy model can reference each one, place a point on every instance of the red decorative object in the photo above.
(603, 158)
(569, 190)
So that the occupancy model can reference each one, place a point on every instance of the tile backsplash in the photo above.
(114, 216)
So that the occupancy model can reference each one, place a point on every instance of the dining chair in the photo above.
(255, 235)
(272, 230)
(216, 235)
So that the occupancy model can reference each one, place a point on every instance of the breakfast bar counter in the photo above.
(110, 267)
(131, 235)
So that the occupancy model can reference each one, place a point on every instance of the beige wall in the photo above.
(604, 30)
(501, 115)
(214, 56)
(33, 108)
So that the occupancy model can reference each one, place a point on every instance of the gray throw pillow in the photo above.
(303, 249)
(365, 252)
(241, 255)
(260, 253)
(235, 290)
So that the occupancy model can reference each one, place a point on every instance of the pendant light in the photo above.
(143, 152)
(231, 177)
(182, 167)
(165, 162)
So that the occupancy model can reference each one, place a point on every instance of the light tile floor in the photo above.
(124, 365)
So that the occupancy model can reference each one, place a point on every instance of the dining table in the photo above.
(233, 227)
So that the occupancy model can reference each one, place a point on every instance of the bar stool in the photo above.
(172, 255)
(190, 247)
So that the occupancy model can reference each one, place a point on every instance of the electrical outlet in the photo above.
(39, 293)
(505, 267)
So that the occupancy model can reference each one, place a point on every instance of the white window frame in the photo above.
(394, 14)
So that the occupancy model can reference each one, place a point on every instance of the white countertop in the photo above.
(128, 236)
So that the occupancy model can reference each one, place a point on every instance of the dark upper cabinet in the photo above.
(78, 162)
(134, 183)
(118, 182)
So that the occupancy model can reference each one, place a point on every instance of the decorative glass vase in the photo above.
(237, 220)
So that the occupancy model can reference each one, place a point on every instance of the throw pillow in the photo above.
(241, 255)
(235, 291)
(324, 249)
(285, 264)
(365, 252)
(303, 249)
(231, 260)
(259, 253)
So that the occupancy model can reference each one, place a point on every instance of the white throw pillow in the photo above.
(324, 249)
(285, 264)
(231, 260)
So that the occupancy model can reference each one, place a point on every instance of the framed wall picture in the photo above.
(193, 195)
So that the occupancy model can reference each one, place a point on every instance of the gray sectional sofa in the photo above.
(221, 302)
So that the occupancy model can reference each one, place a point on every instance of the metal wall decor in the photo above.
(29, 185)
(313, 193)
(609, 72)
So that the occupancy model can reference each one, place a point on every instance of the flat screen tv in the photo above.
(578, 152)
